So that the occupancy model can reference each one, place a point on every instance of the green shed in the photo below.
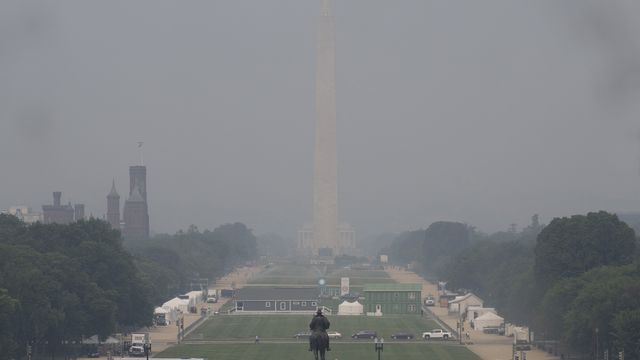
(394, 298)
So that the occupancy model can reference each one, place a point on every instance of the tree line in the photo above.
(62, 283)
(173, 262)
(576, 280)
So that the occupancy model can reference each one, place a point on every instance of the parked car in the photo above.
(302, 335)
(498, 330)
(136, 350)
(334, 335)
(430, 301)
(436, 334)
(402, 336)
(365, 334)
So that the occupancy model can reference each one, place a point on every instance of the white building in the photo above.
(477, 311)
(488, 320)
(25, 214)
(346, 240)
(461, 303)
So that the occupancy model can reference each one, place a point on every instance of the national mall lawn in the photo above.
(231, 337)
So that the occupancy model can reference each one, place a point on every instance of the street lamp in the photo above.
(379, 346)
(147, 349)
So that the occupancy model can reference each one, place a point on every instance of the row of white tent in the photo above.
(173, 308)
(475, 311)
(96, 340)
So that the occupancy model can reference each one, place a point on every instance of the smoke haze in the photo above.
(481, 112)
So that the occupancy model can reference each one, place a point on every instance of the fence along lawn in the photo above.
(350, 351)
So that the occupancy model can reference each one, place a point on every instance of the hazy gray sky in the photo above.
(478, 111)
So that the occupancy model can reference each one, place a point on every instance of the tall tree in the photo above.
(8, 308)
(572, 246)
(443, 240)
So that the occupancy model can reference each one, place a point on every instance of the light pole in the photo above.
(147, 350)
(597, 350)
(379, 345)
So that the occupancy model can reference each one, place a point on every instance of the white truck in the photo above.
(521, 339)
(138, 343)
(436, 334)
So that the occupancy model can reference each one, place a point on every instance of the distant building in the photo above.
(276, 300)
(25, 214)
(346, 241)
(136, 219)
(113, 207)
(135, 213)
(305, 240)
(136, 210)
(393, 298)
(138, 179)
(460, 304)
(58, 213)
(78, 212)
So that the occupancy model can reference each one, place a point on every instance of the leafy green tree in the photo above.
(406, 247)
(499, 272)
(443, 240)
(170, 262)
(68, 281)
(573, 308)
(626, 327)
(8, 308)
(572, 246)
(556, 303)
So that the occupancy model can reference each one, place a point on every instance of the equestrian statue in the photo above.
(319, 340)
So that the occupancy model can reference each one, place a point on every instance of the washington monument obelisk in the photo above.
(325, 186)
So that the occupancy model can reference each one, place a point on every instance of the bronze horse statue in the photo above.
(319, 341)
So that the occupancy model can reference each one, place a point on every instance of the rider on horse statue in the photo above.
(320, 323)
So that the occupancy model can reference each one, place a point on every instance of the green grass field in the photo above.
(361, 351)
(298, 275)
(284, 327)
(231, 336)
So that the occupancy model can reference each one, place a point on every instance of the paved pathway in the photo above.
(487, 346)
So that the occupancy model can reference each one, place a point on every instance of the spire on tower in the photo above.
(140, 143)
(326, 8)
(113, 192)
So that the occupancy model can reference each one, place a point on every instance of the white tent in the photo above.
(111, 340)
(489, 319)
(461, 303)
(474, 312)
(95, 340)
(347, 308)
(91, 340)
(195, 297)
(160, 310)
(175, 307)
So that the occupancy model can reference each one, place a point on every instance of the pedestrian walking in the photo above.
(257, 339)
